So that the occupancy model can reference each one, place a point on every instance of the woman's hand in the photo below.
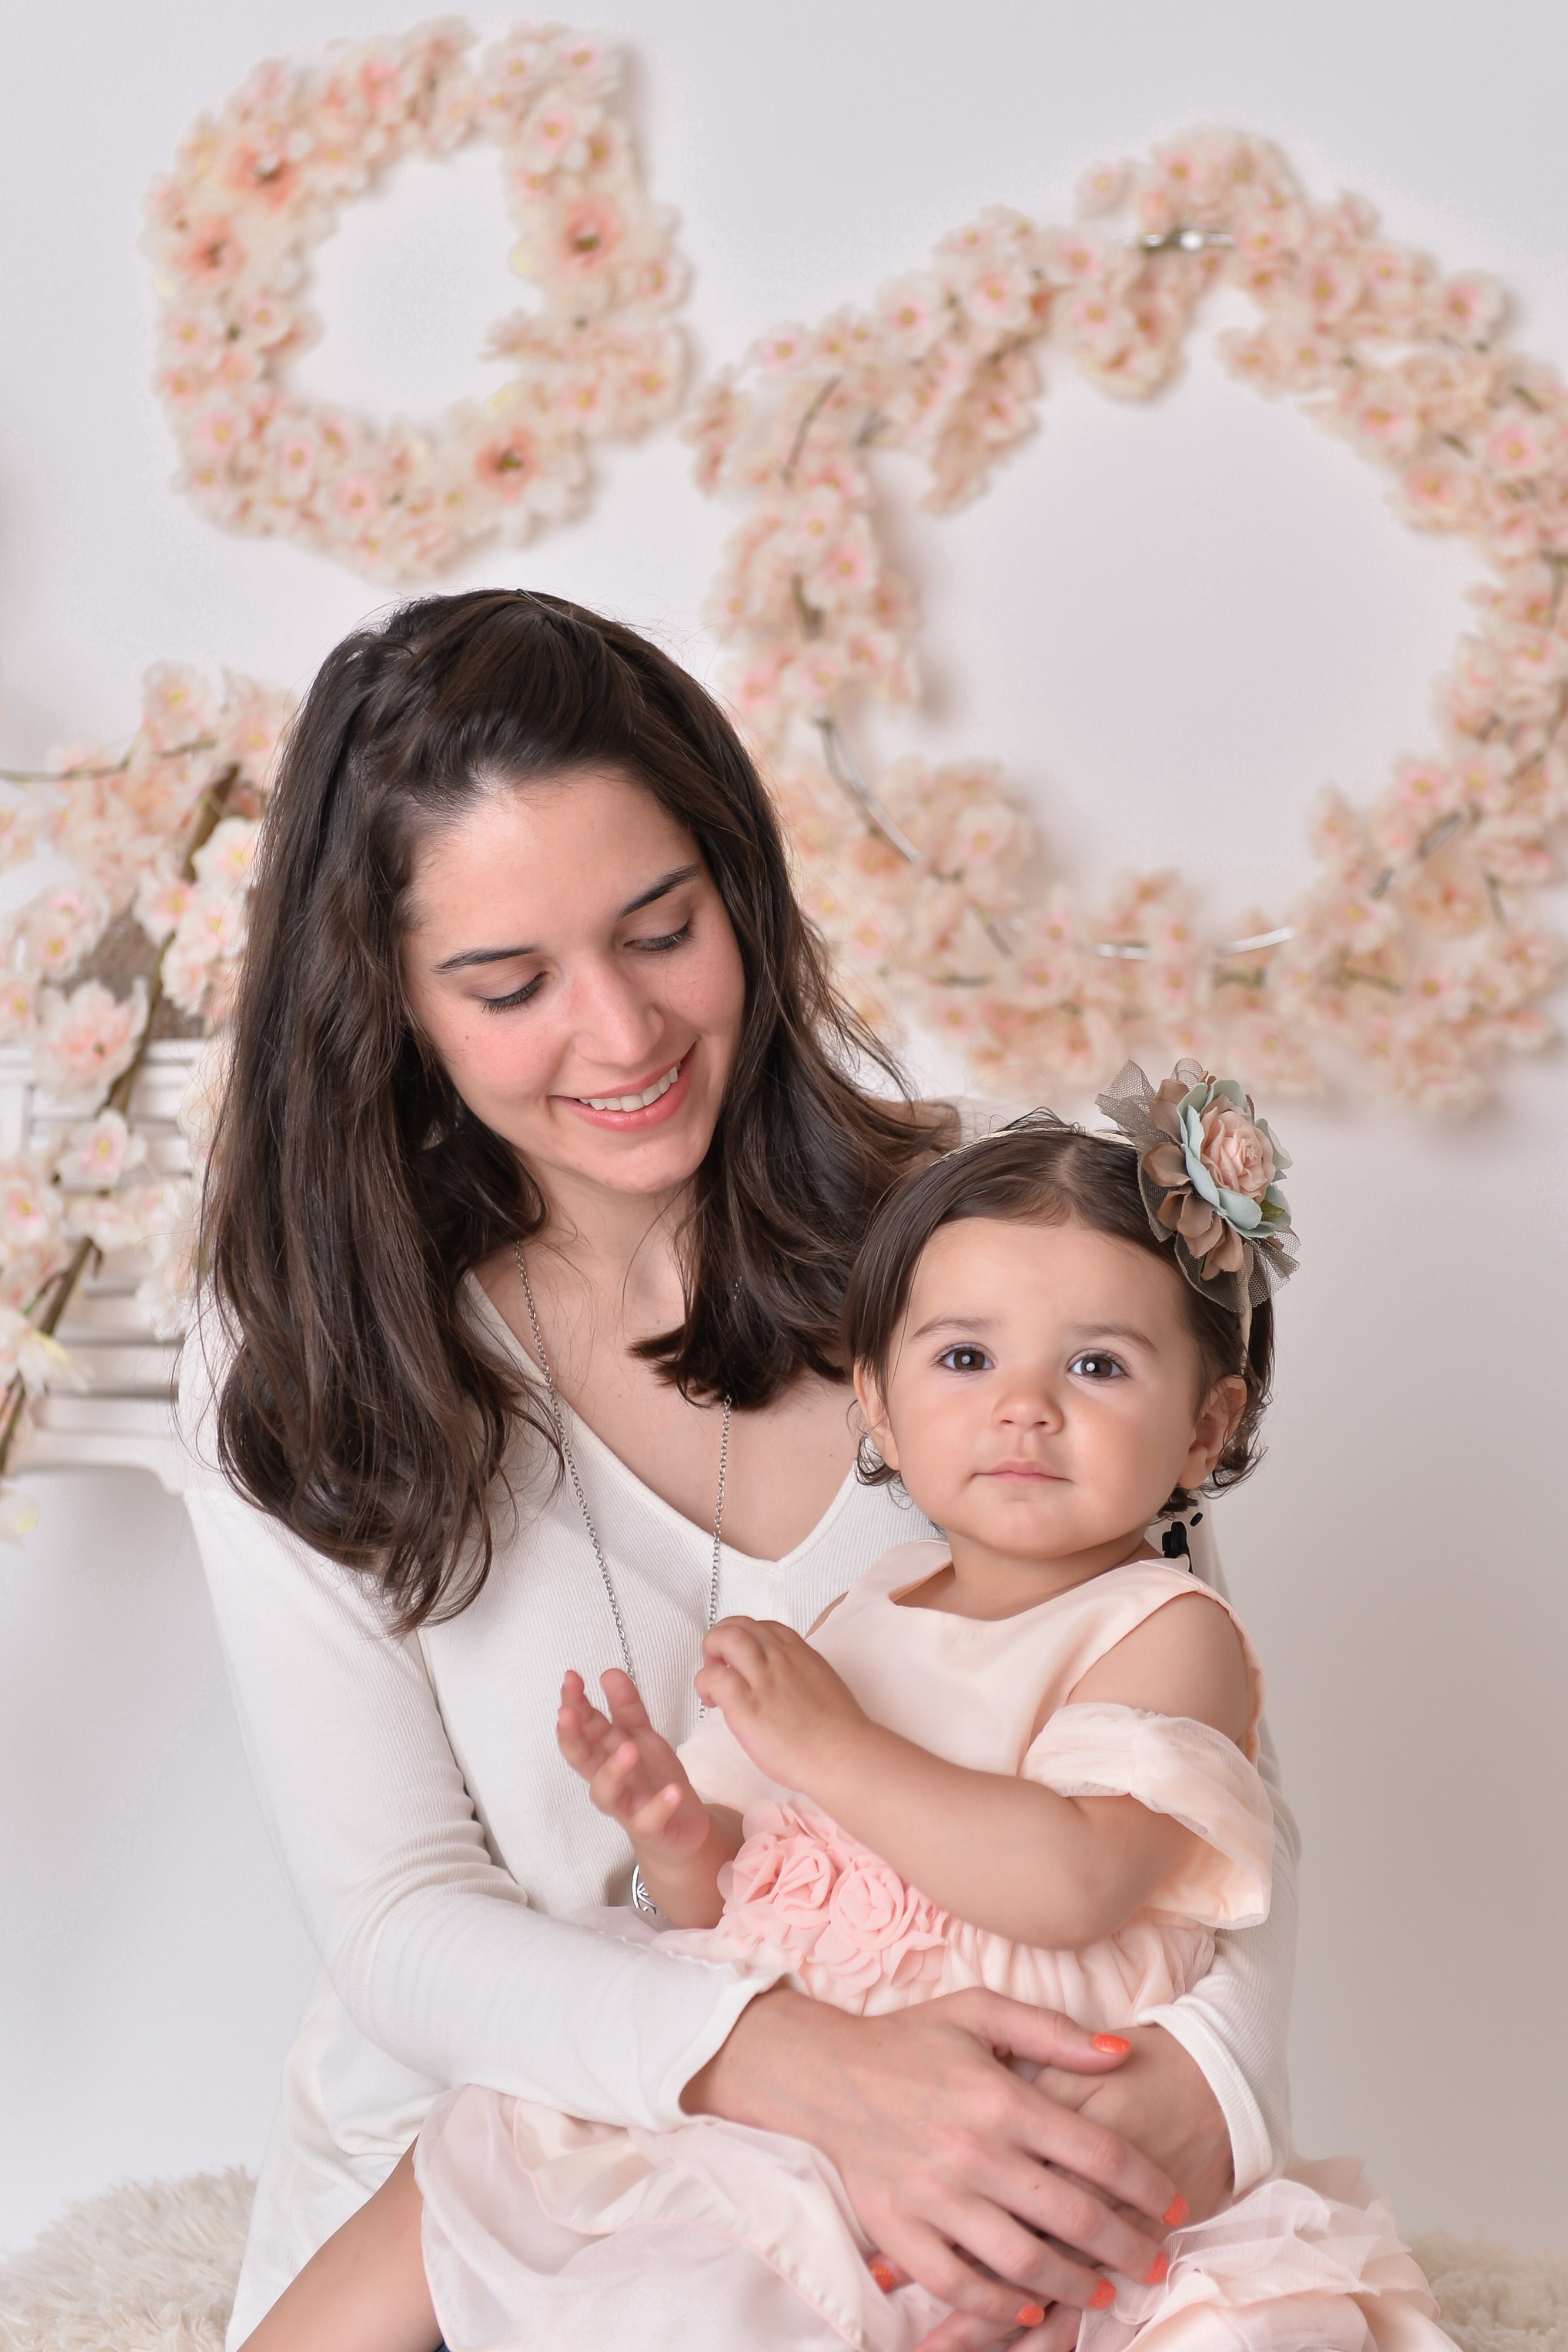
(780, 1697)
(1161, 2101)
(633, 1774)
(952, 2161)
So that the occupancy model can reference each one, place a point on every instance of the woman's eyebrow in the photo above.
(671, 881)
(666, 882)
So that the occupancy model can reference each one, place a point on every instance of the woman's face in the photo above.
(570, 961)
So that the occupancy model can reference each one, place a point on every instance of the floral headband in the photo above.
(1206, 1166)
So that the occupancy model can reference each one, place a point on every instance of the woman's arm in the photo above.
(430, 1945)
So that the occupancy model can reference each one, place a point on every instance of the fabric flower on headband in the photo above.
(1206, 1166)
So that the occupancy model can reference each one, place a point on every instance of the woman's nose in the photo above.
(615, 1023)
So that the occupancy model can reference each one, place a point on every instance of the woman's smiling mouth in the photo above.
(644, 1106)
(635, 1102)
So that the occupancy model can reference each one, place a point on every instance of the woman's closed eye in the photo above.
(660, 945)
(965, 1356)
(529, 989)
(664, 942)
(1095, 1364)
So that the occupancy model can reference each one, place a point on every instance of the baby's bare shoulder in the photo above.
(1186, 1659)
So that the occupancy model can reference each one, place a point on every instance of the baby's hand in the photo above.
(782, 1701)
(633, 1774)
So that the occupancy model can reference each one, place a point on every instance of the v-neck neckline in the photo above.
(605, 1454)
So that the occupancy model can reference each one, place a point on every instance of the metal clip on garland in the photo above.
(1207, 1169)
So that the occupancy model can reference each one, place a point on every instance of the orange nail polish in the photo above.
(1030, 2315)
(884, 2275)
(1111, 2045)
(1159, 2269)
(1103, 2296)
(1175, 2213)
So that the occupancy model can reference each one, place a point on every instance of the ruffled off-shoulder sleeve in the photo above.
(1186, 1769)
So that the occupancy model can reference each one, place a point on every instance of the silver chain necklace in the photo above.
(558, 1417)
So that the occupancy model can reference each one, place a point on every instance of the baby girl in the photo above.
(1020, 1757)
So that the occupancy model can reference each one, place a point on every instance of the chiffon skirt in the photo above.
(544, 2232)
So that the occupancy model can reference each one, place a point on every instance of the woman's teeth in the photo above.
(633, 1102)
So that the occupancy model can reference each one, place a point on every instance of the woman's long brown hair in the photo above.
(351, 1189)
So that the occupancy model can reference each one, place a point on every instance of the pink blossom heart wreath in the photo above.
(229, 231)
(1409, 959)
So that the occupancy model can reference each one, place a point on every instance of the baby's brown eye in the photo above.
(1093, 1367)
(964, 1358)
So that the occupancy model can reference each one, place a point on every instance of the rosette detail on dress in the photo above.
(1206, 1169)
(843, 1920)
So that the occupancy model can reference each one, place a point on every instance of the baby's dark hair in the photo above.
(1039, 1171)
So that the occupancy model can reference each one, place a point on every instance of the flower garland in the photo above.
(144, 942)
(1409, 958)
(251, 193)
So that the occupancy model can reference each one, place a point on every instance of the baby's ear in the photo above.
(873, 1413)
(1222, 1409)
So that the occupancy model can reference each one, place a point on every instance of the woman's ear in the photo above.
(873, 1413)
(1221, 1409)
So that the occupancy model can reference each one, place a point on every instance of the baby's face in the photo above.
(1043, 1397)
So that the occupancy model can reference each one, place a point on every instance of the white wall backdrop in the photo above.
(1172, 625)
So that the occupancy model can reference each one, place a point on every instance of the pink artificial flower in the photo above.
(18, 1007)
(1385, 418)
(1440, 494)
(220, 431)
(95, 1156)
(58, 931)
(176, 704)
(508, 462)
(586, 236)
(85, 1039)
(210, 253)
(1000, 295)
(355, 496)
(913, 311)
(1471, 305)
(225, 857)
(782, 351)
(121, 1221)
(555, 136)
(1101, 188)
(1518, 447)
(30, 1208)
(1234, 1151)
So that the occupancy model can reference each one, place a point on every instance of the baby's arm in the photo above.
(1002, 1853)
(365, 2290)
(636, 1776)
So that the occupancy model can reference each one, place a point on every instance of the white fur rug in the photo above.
(152, 2270)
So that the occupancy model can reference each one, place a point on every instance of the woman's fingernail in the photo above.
(884, 2275)
(1158, 2270)
(1113, 2045)
(1175, 2213)
(1103, 2296)
(1030, 2314)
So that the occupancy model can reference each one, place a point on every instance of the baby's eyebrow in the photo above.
(954, 1323)
(1087, 1332)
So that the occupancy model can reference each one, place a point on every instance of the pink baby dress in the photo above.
(551, 2233)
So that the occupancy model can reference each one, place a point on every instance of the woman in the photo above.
(544, 1151)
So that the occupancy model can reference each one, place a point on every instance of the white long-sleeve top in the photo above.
(434, 1841)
